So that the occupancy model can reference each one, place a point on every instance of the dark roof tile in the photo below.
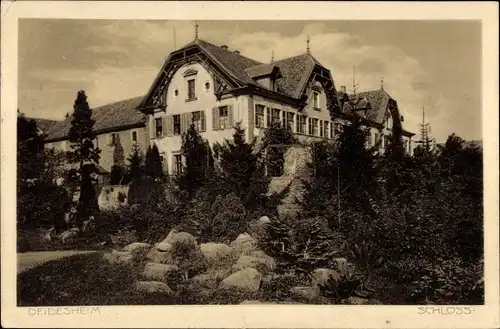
(115, 115)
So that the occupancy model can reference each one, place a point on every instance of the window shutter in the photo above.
(203, 123)
(230, 116)
(169, 125)
(215, 114)
(152, 127)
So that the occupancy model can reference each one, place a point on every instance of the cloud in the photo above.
(114, 60)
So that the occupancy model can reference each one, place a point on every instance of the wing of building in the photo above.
(214, 87)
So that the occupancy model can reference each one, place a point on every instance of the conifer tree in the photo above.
(117, 174)
(30, 155)
(199, 164)
(242, 168)
(343, 174)
(275, 143)
(84, 153)
(156, 163)
(136, 163)
(153, 165)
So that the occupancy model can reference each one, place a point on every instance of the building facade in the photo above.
(115, 123)
(215, 87)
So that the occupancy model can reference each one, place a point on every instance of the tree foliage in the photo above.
(153, 166)
(198, 162)
(242, 168)
(85, 154)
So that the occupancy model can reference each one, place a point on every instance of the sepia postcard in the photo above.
(249, 164)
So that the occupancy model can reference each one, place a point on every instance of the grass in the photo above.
(83, 280)
(87, 280)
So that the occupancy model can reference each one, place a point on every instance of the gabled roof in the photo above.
(234, 63)
(114, 116)
(379, 100)
(295, 73)
(45, 125)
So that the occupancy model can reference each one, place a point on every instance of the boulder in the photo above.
(153, 287)
(250, 262)
(320, 276)
(159, 272)
(215, 251)
(179, 237)
(308, 293)
(244, 243)
(162, 257)
(269, 261)
(264, 220)
(70, 236)
(362, 301)
(119, 257)
(247, 279)
(138, 249)
(163, 246)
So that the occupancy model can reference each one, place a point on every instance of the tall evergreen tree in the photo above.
(343, 175)
(242, 168)
(275, 143)
(117, 174)
(153, 166)
(30, 155)
(136, 163)
(199, 162)
(84, 153)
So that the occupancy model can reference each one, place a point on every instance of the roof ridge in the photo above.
(288, 58)
(229, 51)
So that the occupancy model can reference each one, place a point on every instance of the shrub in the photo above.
(220, 221)
(145, 190)
(451, 282)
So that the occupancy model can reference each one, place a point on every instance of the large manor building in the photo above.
(214, 87)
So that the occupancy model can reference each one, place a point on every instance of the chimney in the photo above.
(237, 52)
(343, 89)
(224, 47)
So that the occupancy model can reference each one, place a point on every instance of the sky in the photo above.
(431, 64)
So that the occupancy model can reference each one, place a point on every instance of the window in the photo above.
(191, 89)
(134, 136)
(199, 120)
(289, 119)
(259, 116)
(268, 117)
(321, 131)
(176, 92)
(207, 86)
(159, 127)
(327, 129)
(332, 130)
(177, 124)
(316, 99)
(224, 117)
(310, 126)
(276, 115)
(301, 124)
(315, 127)
(178, 164)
